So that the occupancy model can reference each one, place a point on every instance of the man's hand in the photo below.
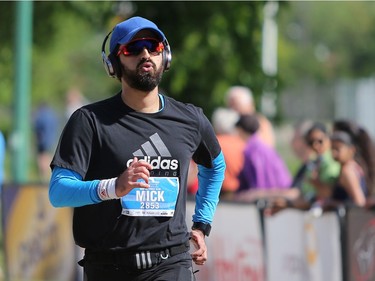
(199, 256)
(129, 178)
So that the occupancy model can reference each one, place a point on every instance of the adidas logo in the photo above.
(154, 147)
(157, 154)
(158, 162)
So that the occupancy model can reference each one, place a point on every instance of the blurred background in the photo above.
(302, 60)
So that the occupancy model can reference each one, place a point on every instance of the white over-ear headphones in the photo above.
(108, 65)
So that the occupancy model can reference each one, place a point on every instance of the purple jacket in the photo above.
(263, 167)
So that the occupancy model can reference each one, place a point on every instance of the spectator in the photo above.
(305, 154)
(74, 100)
(365, 155)
(352, 137)
(232, 146)
(241, 100)
(45, 129)
(305, 193)
(325, 170)
(263, 168)
(351, 184)
(318, 172)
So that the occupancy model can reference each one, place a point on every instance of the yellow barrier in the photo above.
(37, 237)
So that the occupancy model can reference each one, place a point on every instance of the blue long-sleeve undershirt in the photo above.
(209, 185)
(67, 189)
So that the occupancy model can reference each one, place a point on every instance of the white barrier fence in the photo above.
(235, 246)
(296, 246)
(303, 247)
(244, 245)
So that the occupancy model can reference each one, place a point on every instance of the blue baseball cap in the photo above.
(126, 30)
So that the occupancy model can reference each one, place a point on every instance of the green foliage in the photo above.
(214, 45)
(326, 40)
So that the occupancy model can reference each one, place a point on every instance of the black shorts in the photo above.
(176, 268)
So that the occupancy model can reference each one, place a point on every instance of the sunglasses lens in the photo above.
(136, 47)
(314, 141)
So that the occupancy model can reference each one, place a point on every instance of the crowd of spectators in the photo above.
(336, 159)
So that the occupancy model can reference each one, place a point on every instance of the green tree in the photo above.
(326, 40)
(214, 45)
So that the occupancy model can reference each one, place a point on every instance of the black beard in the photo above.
(143, 81)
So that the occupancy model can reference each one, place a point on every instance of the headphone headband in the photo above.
(106, 61)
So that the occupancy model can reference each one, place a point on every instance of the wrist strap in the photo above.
(107, 189)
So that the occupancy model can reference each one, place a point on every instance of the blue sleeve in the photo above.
(67, 189)
(209, 185)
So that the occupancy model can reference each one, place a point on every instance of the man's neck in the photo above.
(146, 102)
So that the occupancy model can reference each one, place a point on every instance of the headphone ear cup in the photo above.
(108, 65)
(116, 65)
(167, 55)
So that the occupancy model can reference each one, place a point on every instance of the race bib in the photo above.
(159, 200)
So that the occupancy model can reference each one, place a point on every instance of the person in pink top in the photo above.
(263, 167)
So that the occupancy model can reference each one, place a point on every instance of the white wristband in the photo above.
(107, 189)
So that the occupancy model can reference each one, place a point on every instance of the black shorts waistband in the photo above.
(138, 260)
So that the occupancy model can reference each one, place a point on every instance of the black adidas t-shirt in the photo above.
(98, 142)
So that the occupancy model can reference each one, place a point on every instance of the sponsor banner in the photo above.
(360, 246)
(301, 246)
(37, 237)
(235, 245)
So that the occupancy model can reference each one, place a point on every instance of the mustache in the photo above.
(144, 61)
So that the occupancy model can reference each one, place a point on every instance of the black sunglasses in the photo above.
(313, 141)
